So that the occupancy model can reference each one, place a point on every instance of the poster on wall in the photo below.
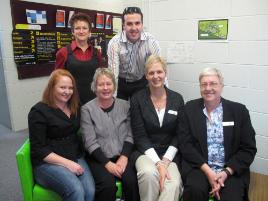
(60, 18)
(213, 29)
(180, 52)
(108, 22)
(71, 13)
(100, 21)
(117, 24)
(36, 16)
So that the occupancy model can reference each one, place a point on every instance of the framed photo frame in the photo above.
(213, 29)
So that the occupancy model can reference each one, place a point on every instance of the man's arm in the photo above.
(113, 58)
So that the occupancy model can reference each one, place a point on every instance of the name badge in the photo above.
(228, 123)
(173, 112)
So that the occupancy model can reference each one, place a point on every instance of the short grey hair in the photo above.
(102, 71)
(211, 71)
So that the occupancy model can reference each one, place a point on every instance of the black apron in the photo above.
(83, 72)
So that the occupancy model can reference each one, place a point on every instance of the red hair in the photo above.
(48, 94)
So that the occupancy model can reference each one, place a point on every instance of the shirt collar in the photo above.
(74, 46)
(123, 37)
(217, 109)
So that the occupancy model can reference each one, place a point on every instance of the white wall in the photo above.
(243, 58)
(4, 114)
(22, 94)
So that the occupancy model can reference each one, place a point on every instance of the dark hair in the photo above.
(48, 94)
(80, 17)
(132, 10)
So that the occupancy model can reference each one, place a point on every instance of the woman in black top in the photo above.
(56, 151)
(155, 113)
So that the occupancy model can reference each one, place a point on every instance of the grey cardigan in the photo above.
(107, 131)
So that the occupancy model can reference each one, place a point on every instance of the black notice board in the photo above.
(34, 51)
(38, 47)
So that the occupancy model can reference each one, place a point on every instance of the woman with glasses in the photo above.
(217, 143)
(155, 113)
(80, 57)
(105, 127)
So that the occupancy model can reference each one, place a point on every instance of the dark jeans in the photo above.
(61, 180)
(127, 89)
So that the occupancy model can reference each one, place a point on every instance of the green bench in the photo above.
(31, 190)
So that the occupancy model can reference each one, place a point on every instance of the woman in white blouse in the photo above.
(155, 113)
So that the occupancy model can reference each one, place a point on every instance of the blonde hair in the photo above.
(155, 59)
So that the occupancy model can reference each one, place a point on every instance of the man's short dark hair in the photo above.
(132, 10)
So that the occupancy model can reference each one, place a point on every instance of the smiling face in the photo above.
(156, 75)
(81, 31)
(133, 26)
(211, 89)
(63, 90)
(104, 88)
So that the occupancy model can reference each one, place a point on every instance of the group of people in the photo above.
(95, 125)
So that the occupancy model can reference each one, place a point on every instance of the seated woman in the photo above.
(56, 151)
(105, 127)
(155, 112)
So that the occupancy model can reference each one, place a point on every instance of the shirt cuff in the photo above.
(151, 153)
(99, 156)
(127, 149)
(166, 82)
(170, 153)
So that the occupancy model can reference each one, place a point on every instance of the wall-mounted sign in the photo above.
(34, 47)
(213, 29)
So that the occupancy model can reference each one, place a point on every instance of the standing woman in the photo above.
(80, 57)
(155, 113)
(56, 151)
(105, 126)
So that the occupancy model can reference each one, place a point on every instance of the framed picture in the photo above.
(213, 29)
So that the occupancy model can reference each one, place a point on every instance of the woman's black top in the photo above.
(51, 130)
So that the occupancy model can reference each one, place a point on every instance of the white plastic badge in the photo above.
(173, 112)
(228, 123)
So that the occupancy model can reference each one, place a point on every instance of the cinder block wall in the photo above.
(243, 57)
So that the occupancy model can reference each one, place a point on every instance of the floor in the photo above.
(10, 189)
(258, 189)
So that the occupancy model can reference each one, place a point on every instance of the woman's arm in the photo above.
(38, 127)
(61, 57)
(69, 164)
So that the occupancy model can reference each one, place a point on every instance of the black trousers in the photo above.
(106, 186)
(127, 89)
(197, 187)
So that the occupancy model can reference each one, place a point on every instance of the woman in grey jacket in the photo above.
(105, 127)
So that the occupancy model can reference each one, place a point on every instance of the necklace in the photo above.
(159, 103)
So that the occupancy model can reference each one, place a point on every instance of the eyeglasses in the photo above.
(211, 84)
(130, 10)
